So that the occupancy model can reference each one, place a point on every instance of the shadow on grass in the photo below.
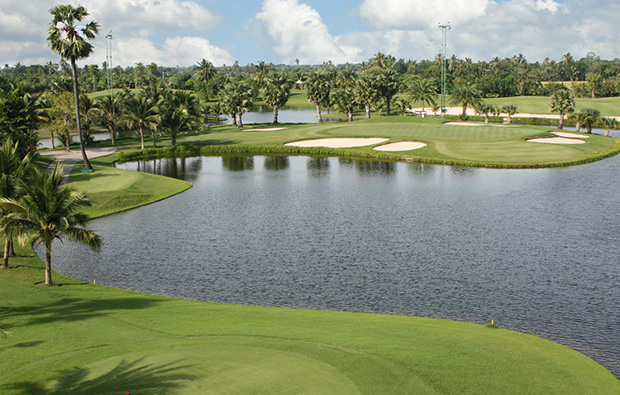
(76, 177)
(71, 309)
(134, 377)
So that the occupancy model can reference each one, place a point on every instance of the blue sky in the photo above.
(182, 32)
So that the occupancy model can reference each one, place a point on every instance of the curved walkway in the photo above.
(69, 158)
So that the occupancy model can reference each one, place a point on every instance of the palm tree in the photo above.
(562, 102)
(594, 82)
(423, 90)
(465, 95)
(388, 85)
(588, 117)
(12, 169)
(509, 110)
(88, 113)
(109, 111)
(609, 123)
(237, 98)
(366, 92)
(65, 39)
(179, 113)
(205, 73)
(48, 211)
(319, 88)
(485, 109)
(346, 102)
(140, 112)
(276, 91)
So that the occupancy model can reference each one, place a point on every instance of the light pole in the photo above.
(444, 44)
(108, 61)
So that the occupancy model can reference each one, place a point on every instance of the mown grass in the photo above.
(88, 339)
(482, 146)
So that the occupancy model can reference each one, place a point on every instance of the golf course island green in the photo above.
(450, 143)
(79, 338)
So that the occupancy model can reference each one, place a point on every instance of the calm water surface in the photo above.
(535, 250)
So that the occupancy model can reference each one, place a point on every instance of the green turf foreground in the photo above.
(90, 339)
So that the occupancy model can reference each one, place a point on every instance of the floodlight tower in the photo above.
(444, 45)
(108, 62)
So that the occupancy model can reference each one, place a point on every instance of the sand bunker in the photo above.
(475, 124)
(338, 142)
(556, 140)
(264, 129)
(400, 146)
(570, 135)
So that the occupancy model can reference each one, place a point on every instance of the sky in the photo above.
(181, 33)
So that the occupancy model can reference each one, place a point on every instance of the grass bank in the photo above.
(90, 339)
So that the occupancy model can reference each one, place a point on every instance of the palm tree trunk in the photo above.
(153, 137)
(422, 104)
(111, 133)
(174, 138)
(561, 124)
(234, 119)
(388, 106)
(5, 259)
(11, 247)
(48, 266)
(318, 113)
(367, 110)
(141, 137)
(240, 121)
(53, 141)
(486, 118)
(350, 116)
(77, 115)
(275, 114)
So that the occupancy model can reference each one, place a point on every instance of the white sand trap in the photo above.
(264, 129)
(476, 124)
(338, 142)
(557, 140)
(400, 146)
(570, 135)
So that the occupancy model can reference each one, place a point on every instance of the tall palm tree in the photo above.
(562, 102)
(319, 88)
(423, 90)
(594, 82)
(65, 39)
(205, 73)
(140, 112)
(366, 92)
(109, 110)
(276, 91)
(48, 211)
(465, 95)
(12, 169)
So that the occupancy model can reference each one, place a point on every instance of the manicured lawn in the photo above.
(483, 145)
(86, 339)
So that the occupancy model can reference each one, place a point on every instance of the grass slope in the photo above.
(87, 339)
(609, 106)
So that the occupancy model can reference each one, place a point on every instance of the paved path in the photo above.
(70, 158)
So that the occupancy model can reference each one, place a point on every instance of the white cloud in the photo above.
(297, 31)
(190, 50)
(419, 14)
(137, 26)
(548, 5)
